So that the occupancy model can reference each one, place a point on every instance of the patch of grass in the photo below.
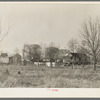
(45, 77)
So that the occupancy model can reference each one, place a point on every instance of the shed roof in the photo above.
(79, 55)
(4, 55)
(15, 55)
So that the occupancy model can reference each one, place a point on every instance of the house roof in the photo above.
(79, 55)
(75, 54)
(15, 55)
(4, 55)
(63, 51)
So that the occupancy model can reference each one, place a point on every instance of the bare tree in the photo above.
(80, 48)
(16, 51)
(72, 45)
(90, 34)
(24, 53)
(43, 46)
(51, 53)
(4, 29)
(32, 52)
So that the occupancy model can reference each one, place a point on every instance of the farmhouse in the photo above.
(4, 59)
(76, 58)
(15, 59)
(63, 52)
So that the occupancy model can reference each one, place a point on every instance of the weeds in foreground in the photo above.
(44, 77)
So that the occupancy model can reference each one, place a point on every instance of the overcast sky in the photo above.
(43, 23)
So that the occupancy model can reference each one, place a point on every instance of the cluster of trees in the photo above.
(90, 43)
(90, 40)
(33, 53)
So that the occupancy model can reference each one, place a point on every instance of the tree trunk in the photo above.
(95, 61)
(72, 65)
(51, 64)
(94, 66)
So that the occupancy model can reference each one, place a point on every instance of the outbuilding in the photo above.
(15, 59)
(4, 59)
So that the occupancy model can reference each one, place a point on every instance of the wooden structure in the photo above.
(76, 58)
(4, 59)
(15, 59)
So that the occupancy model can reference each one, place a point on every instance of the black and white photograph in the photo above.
(49, 45)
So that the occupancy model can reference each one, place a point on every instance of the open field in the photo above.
(44, 77)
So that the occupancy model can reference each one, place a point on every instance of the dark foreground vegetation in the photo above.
(46, 77)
